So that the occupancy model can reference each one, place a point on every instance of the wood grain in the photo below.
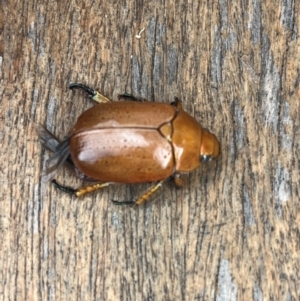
(232, 232)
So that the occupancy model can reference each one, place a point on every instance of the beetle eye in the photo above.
(205, 158)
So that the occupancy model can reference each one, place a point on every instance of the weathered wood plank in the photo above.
(232, 233)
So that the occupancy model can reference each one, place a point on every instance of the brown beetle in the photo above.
(129, 141)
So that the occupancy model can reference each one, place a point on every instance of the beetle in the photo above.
(129, 141)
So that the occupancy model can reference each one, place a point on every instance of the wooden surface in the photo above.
(232, 232)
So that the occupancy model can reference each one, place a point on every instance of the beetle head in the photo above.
(210, 147)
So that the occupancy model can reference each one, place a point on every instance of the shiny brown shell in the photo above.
(135, 142)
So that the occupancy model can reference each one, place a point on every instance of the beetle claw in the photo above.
(66, 189)
(91, 92)
(94, 94)
(128, 96)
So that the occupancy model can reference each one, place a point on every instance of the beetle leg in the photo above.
(123, 203)
(177, 180)
(148, 193)
(94, 94)
(128, 96)
(142, 198)
(66, 189)
(80, 191)
(98, 97)
(177, 103)
(87, 189)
